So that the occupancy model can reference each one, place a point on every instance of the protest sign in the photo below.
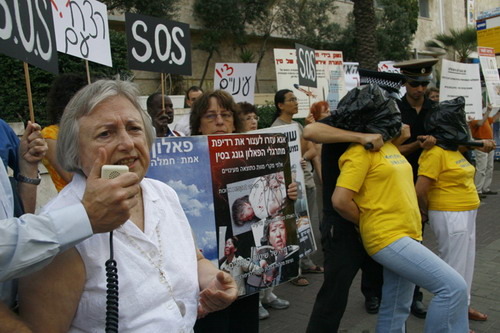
(237, 79)
(81, 28)
(235, 186)
(158, 45)
(459, 79)
(388, 67)
(303, 221)
(488, 63)
(287, 77)
(351, 75)
(306, 65)
(27, 33)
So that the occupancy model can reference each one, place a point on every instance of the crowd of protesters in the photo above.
(382, 167)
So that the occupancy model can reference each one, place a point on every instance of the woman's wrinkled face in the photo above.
(216, 120)
(250, 122)
(277, 234)
(115, 125)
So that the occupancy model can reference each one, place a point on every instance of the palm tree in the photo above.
(365, 25)
(459, 42)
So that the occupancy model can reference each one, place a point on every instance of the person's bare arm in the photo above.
(322, 133)
(32, 149)
(403, 136)
(486, 114)
(422, 188)
(52, 157)
(48, 299)
(218, 288)
(311, 152)
(11, 322)
(343, 202)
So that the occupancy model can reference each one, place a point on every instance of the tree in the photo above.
(397, 22)
(396, 27)
(14, 100)
(158, 8)
(365, 25)
(460, 43)
(227, 19)
(309, 22)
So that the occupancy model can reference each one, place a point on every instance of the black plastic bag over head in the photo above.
(368, 109)
(447, 123)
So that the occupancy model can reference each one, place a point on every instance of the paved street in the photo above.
(485, 287)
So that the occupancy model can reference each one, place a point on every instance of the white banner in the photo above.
(330, 76)
(237, 79)
(388, 67)
(81, 28)
(490, 72)
(459, 79)
(351, 75)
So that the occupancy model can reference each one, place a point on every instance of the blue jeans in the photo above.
(406, 263)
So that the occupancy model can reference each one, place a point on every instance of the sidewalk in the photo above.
(485, 286)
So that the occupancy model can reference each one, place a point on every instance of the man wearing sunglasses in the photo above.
(414, 106)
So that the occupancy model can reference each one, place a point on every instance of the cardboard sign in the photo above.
(158, 45)
(458, 79)
(27, 33)
(235, 186)
(303, 220)
(351, 75)
(237, 79)
(489, 67)
(306, 62)
(81, 28)
(331, 86)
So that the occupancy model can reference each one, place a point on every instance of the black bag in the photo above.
(447, 123)
(368, 109)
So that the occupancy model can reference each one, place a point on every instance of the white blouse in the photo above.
(147, 301)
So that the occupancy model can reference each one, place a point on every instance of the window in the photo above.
(423, 8)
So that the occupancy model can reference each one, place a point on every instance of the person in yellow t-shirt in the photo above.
(62, 90)
(449, 201)
(447, 196)
(375, 191)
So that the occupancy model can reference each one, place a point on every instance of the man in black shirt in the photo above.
(414, 107)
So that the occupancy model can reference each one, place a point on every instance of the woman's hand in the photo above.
(218, 295)
(292, 191)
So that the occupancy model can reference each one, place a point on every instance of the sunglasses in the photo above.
(415, 84)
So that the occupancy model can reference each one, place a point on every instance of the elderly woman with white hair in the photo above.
(165, 282)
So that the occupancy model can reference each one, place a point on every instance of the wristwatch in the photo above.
(33, 181)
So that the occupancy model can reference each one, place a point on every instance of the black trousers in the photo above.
(344, 256)
(242, 316)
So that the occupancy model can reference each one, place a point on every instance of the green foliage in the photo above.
(226, 19)
(397, 24)
(309, 22)
(459, 42)
(266, 113)
(158, 8)
(14, 99)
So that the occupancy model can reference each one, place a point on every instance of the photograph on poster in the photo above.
(255, 199)
(273, 253)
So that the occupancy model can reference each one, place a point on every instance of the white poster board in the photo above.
(328, 66)
(81, 28)
(388, 67)
(489, 65)
(459, 79)
(238, 79)
(351, 75)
